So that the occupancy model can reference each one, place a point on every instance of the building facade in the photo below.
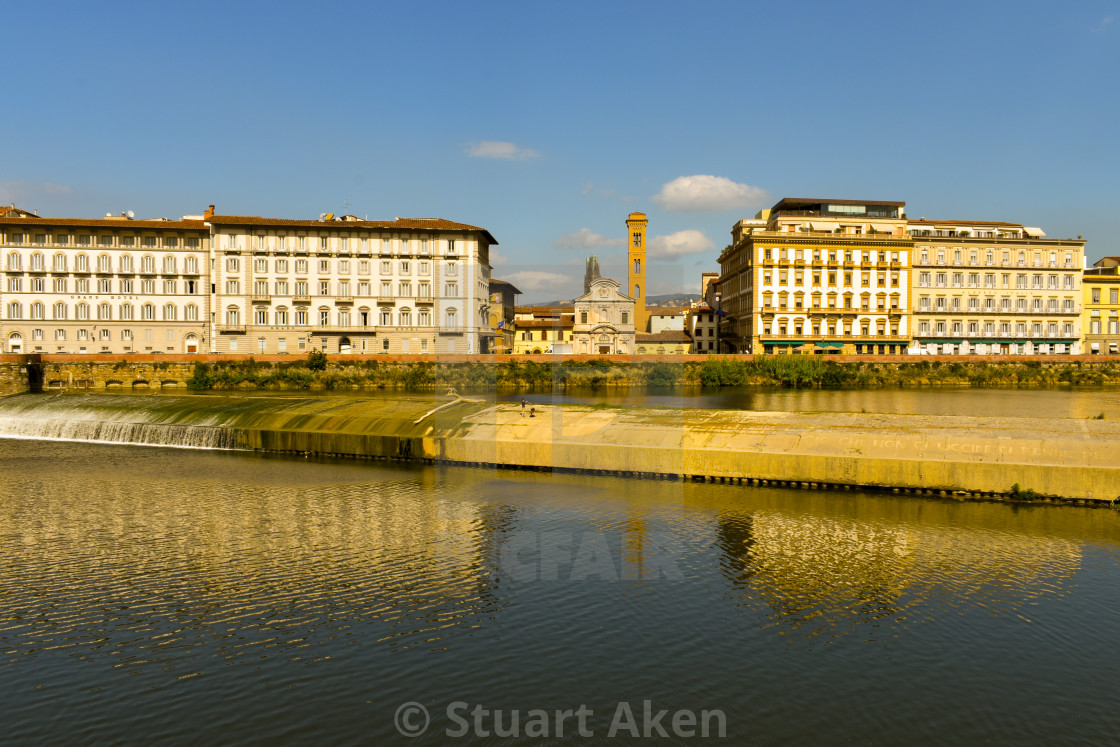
(994, 288)
(349, 286)
(604, 320)
(637, 243)
(111, 285)
(821, 276)
(538, 327)
(503, 300)
(1100, 321)
(243, 284)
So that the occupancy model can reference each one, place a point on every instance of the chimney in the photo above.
(209, 212)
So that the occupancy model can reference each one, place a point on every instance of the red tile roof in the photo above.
(423, 224)
(106, 223)
(670, 336)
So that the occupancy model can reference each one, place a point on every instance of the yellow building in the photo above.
(636, 225)
(664, 342)
(503, 320)
(1100, 321)
(994, 288)
(538, 327)
(820, 276)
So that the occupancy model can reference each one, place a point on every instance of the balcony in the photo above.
(230, 328)
(260, 298)
(342, 300)
(301, 298)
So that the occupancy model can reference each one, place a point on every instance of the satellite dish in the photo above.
(131, 214)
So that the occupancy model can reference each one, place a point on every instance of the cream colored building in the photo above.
(349, 285)
(821, 276)
(994, 288)
(112, 285)
(604, 320)
(1101, 316)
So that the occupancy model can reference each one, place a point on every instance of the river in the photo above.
(199, 596)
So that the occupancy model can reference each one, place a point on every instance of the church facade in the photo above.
(604, 320)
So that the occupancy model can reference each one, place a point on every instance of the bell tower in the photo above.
(636, 267)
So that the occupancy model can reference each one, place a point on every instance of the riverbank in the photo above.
(543, 373)
(964, 456)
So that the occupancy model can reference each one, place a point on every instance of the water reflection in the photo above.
(241, 572)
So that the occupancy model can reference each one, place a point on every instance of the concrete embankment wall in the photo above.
(1061, 458)
(1066, 458)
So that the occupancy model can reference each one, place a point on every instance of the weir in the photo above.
(964, 456)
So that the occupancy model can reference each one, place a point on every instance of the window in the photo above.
(626, 317)
(324, 317)
(452, 318)
(324, 288)
(104, 311)
(386, 317)
(406, 317)
(147, 264)
(301, 316)
(15, 310)
(233, 287)
(233, 264)
(451, 246)
(170, 312)
(583, 317)
(425, 319)
(260, 316)
(301, 266)
(637, 266)
(324, 266)
(15, 284)
(170, 286)
(148, 311)
(451, 289)
(60, 310)
(637, 240)
(192, 313)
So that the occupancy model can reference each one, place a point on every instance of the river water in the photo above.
(218, 597)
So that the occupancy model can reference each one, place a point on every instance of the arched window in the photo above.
(169, 264)
(126, 263)
(14, 262)
(637, 291)
(126, 311)
(38, 311)
(192, 312)
(15, 310)
(59, 264)
(81, 263)
(104, 311)
(637, 266)
(104, 263)
(83, 311)
(60, 310)
(170, 312)
(148, 263)
(148, 312)
(36, 262)
(192, 265)
(233, 316)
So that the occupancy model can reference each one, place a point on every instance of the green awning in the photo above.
(784, 342)
(829, 344)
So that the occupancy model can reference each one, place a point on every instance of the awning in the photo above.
(884, 227)
(830, 344)
(824, 225)
(1095, 345)
(784, 342)
(1033, 232)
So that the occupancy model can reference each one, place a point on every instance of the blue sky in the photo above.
(547, 123)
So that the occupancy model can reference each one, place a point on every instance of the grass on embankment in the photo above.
(784, 371)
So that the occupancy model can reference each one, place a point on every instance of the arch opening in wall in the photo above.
(15, 343)
(344, 346)
(190, 344)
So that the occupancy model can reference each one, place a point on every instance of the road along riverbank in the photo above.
(966, 456)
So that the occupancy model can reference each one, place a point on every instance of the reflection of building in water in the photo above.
(827, 571)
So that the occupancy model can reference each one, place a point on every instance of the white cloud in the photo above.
(585, 238)
(689, 241)
(500, 149)
(538, 280)
(703, 192)
(1101, 27)
(497, 258)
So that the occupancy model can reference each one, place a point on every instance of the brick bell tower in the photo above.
(636, 267)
